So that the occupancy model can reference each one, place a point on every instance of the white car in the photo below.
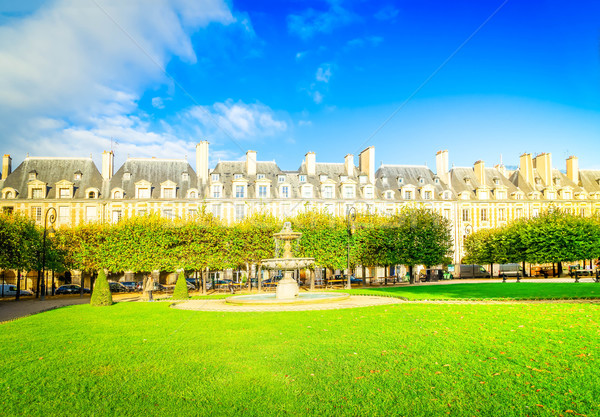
(10, 290)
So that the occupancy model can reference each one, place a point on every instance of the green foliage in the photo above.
(20, 242)
(101, 295)
(181, 290)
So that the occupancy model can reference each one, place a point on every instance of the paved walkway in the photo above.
(351, 302)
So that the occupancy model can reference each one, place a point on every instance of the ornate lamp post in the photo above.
(350, 218)
(49, 216)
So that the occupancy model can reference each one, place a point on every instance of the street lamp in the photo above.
(52, 218)
(350, 218)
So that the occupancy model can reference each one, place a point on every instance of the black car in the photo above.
(130, 285)
(71, 289)
(117, 287)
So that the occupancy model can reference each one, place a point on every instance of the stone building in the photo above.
(471, 197)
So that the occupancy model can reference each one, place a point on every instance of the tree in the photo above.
(101, 295)
(181, 290)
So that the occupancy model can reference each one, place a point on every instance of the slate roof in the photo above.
(590, 180)
(53, 170)
(386, 178)
(459, 185)
(155, 171)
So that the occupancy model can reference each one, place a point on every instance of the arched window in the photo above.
(118, 194)
(92, 194)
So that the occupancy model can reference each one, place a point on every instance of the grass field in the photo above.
(409, 359)
(511, 290)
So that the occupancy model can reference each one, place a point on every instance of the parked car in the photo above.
(192, 282)
(581, 271)
(71, 289)
(468, 271)
(10, 290)
(511, 270)
(117, 287)
(139, 286)
(190, 286)
(130, 285)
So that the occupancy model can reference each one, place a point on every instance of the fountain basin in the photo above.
(287, 264)
(302, 298)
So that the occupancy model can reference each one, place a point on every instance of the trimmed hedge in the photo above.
(101, 295)
(181, 290)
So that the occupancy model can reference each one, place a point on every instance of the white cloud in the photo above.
(387, 13)
(70, 67)
(237, 120)
(158, 103)
(324, 73)
(311, 21)
(317, 97)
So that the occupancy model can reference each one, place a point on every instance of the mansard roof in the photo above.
(590, 180)
(155, 171)
(459, 175)
(53, 170)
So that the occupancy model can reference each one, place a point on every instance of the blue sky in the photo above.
(285, 78)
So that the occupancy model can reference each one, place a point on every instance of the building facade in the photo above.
(471, 197)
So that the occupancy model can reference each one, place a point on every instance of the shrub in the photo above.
(101, 295)
(181, 290)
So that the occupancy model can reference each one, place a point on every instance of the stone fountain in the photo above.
(287, 289)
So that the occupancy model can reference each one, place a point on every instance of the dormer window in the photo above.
(260, 176)
(389, 195)
(118, 194)
(302, 178)
(185, 176)
(126, 176)
(343, 178)
(556, 181)
(215, 177)
(467, 180)
(37, 193)
(400, 181)
(408, 195)
(281, 178)
(538, 181)
(32, 175)
(92, 194)
(64, 193)
(421, 180)
(348, 191)
(446, 195)
(238, 176)
(427, 195)
(144, 192)
(77, 175)
(169, 192)
(192, 194)
(369, 192)
(496, 181)
(362, 179)
(436, 180)
(285, 191)
(323, 177)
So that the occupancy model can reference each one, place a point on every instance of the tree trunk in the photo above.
(492, 270)
(410, 274)
(364, 276)
(560, 269)
(37, 285)
(259, 279)
(18, 285)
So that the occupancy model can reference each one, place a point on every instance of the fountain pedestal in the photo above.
(287, 288)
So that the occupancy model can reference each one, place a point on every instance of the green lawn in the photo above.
(409, 359)
(498, 290)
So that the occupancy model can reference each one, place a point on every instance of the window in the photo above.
(582, 212)
(216, 191)
(368, 192)
(192, 212)
(142, 193)
(118, 195)
(92, 194)
(237, 176)
(328, 191)
(496, 181)
(37, 193)
(446, 195)
(32, 175)
(216, 210)
(362, 179)
(36, 214)
(519, 212)
(193, 194)
(185, 176)
(465, 215)
(501, 195)
(535, 212)
(239, 212)
(64, 214)
(141, 212)
(302, 178)
(343, 178)
(389, 195)
(408, 195)
(7, 209)
(260, 176)
(421, 180)
(77, 176)
(168, 193)
(323, 177)
(400, 181)
(427, 195)
(215, 177)
(484, 215)
(91, 213)
(436, 180)
(8, 195)
(239, 191)
(447, 214)
(307, 192)
(116, 216)
(568, 210)
(501, 214)
(348, 191)
(262, 191)
(168, 213)
(127, 176)
(285, 191)
(281, 178)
